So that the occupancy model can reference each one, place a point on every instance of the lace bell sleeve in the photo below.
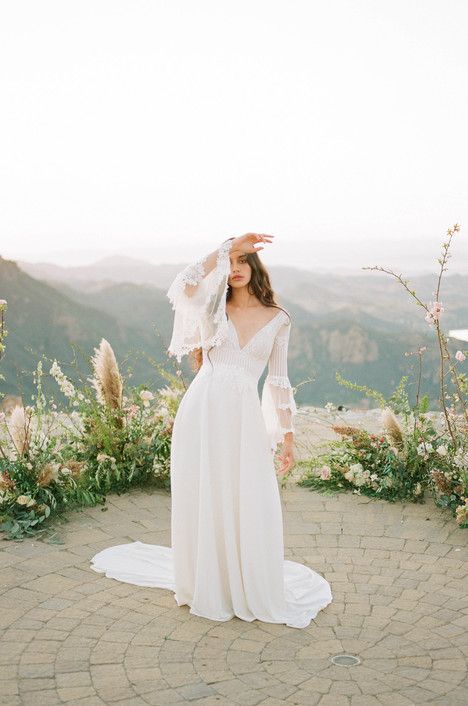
(278, 404)
(198, 298)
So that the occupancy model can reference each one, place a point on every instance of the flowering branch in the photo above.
(433, 312)
(3, 332)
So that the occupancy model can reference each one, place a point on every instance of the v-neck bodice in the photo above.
(201, 321)
(257, 333)
(247, 361)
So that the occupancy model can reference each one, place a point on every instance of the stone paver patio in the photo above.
(398, 575)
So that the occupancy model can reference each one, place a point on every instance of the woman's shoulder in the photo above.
(282, 313)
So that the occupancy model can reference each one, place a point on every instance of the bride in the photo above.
(227, 554)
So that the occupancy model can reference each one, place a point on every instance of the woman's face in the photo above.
(240, 271)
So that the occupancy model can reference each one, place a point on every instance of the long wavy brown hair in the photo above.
(259, 286)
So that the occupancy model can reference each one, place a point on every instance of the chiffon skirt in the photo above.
(227, 554)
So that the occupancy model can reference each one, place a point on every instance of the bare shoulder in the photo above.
(283, 315)
(276, 311)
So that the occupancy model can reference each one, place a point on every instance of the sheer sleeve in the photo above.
(278, 404)
(199, 301)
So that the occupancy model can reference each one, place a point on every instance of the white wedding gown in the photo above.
(227, 553)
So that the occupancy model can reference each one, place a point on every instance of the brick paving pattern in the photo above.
(398, 574)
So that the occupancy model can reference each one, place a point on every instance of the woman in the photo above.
(227, 553)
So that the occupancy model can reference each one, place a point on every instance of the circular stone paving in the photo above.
(398, 574)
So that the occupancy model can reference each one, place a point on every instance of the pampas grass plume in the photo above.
(392, 427)
(107, 380)
(18, 427)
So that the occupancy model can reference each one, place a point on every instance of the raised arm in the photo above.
(187, 281)
(198, 297)
(278, 404)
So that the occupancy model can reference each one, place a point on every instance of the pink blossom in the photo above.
(460, 356)
(434, 312)
(325, 472)
(132, 410)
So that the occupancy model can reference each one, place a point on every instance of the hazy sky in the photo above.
(160, 128)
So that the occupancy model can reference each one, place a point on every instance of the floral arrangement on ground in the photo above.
(414, 453)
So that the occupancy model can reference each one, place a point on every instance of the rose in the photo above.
(459, 356)
(325, 472)
(132, 410)
(146, 396)
(25, 500)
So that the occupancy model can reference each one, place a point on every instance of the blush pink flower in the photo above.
(325, 472)
(460, 356)
(435, 310)
(132, 410)
(146, 396)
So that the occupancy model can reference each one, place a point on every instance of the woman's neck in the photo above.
(242, 299)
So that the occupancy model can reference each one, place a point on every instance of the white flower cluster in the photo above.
(358, 476)
(452, 475)
(424, 450)
(461, 459)
(166, 396)
(64, 384)
(102, 458)
(160, 465)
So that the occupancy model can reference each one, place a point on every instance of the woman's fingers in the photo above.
(249, 242)
(264, 237)
(287, 463)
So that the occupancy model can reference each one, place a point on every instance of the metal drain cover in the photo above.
(345, 660)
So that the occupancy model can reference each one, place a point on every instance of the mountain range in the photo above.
(360, 326)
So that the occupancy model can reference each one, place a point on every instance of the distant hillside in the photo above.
(141, 305)
(360, 327)
(376, 296)
(114, 269)
(42, 320)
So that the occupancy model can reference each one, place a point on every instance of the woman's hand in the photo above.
(245, 243)
(286, 456)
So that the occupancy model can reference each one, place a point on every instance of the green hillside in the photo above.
(44, 321)
(137, 321)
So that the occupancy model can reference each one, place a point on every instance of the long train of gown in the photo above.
(227, 554)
